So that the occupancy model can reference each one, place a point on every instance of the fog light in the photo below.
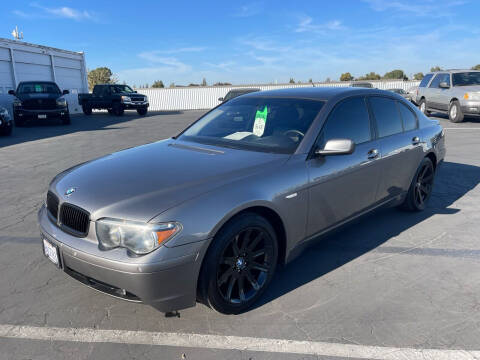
(473, 109)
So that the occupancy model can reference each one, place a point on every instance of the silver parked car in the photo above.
(454, 92)
(208, 215)
(400, 92)
(412, 94)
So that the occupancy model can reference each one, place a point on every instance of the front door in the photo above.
(343, 185)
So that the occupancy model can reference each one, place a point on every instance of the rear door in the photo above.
(399, 142)
(343, 185)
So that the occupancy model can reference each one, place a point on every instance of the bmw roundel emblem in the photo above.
(70, 191)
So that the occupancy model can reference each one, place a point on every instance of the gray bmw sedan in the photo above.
(209, 214)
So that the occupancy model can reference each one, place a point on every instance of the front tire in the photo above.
(142, 111)
(239, 264)
(66, 119)
(19, 122)
(455, 113)
(7, 130)
(421, 187)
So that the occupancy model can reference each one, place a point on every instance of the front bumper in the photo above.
(136, 105)
(40, 114)
(471, 107)
(166, 285)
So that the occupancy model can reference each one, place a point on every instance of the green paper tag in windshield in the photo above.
(260, 121)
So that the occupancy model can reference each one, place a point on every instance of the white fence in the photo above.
(196, 98)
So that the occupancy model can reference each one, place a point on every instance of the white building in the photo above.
(20, 61)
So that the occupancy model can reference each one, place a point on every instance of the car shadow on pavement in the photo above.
(102, 120)
(330, 252)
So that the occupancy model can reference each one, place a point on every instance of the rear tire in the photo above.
(118, 109)
(422, 105)
(87, 109)
(142, 111)
(455, 113)
(239, 264)
(421, 187)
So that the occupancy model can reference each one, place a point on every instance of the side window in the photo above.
(438, 79)
(408, 117)
(425, 80)
(348, 120)
(386, 115)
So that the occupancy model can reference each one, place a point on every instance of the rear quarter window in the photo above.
(408, 117)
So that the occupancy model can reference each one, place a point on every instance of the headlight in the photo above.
(4, 113)
(126, 99)
(17, 102)
(146, 98)
(140, 238)
(61, 102)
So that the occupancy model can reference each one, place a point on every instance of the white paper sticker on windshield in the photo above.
(260, 122)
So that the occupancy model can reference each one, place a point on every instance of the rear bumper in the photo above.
(167, 285)
(34, 114)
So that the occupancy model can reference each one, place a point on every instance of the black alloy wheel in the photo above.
(421, 187)
(243, 267)
(239, 264)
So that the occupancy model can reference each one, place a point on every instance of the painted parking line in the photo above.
(202, 341)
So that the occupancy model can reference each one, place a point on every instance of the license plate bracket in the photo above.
(42, 116)
(51, 252)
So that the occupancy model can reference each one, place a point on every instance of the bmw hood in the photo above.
(142, 182)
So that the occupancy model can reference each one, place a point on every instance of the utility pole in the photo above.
(16, 34)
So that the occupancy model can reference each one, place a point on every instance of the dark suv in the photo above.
(39, 100)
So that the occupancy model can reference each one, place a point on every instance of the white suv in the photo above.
(453, 92)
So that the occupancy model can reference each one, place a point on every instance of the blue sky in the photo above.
(253, 41)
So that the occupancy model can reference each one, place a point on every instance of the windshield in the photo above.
(466, 78)
(261, 124)
(121, 89)
(38, 88)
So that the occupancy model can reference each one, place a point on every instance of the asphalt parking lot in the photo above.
(385, 287)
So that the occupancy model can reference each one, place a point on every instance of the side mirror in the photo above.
(444, 85)
(220, 99)
(11, 92)
(337, 147)
(66, 92)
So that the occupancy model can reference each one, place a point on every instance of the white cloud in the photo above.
(250, 9)
(306, 24)
(438, 8)
(63, 12)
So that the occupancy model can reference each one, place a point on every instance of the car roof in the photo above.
(244, 89)
(452, 71)
(317, 93)
(37, 81)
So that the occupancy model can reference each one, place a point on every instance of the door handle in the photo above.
(416, 140)
(373, 154)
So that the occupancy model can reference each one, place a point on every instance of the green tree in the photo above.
(476, 67)
(346, 77)
(418, 76)
(394, 74)
(172, 85)
(436, 68)
(292, 81)
(370, 76)
(310, 81)
(158, 84)
(204, 82)
(101, 75)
